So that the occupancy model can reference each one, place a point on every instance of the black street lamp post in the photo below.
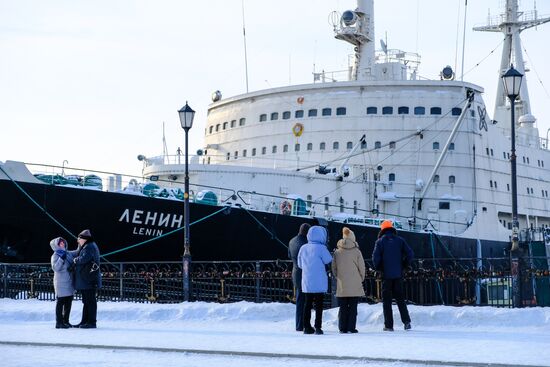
(512, 84)
(186, 115)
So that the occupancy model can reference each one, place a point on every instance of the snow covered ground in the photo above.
(248, 334)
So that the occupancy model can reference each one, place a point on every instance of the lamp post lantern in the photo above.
(512, 85)
(186, 115)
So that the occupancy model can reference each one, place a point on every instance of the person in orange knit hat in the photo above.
(391, 253)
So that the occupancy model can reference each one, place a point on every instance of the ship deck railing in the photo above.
(498, 282)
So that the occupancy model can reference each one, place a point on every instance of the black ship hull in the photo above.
(119, 221)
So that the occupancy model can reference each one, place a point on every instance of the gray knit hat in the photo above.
(86, 234)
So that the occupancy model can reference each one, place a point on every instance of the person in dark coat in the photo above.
(391, 253)
(63, 286)
(293, 248)
(312, 258)
(87, 278)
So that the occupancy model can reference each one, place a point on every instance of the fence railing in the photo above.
(493, 282)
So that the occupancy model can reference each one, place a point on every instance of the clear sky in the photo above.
(92, 82)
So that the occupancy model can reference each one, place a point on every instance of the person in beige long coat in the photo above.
(348, 266)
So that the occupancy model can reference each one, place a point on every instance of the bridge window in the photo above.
(349, 145)
(286, 115)
(225, 125)
(435, 145)
(372, 110)
(234, 122)
(388, 110)
(377, 145)
(341, 111)
(452, 179)
(392, 144)
(444, 205)
(452, 146)
(309, 146)
(244, 152)
(274, 149)
(322, 146)
(296, 147)
(242, 121)
(327, 111)
(363, 144)
(312, 113)
(335, 145)
(391, 177)
(217, 127)
(435, 111)
(285, 148)
(263, 117)
(436, 179)
(299, 114)
(253, 151)
(274, 116)
(456, 111)
(419, 110)
(210, 129)
(403, 110)
(264, 150)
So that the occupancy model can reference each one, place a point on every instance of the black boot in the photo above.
(60, 325)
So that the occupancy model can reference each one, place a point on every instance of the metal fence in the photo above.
(501, 282)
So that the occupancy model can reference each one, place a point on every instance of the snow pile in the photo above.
(466, 317)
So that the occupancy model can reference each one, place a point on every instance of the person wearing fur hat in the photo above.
(87, 278)
(348, 267)
(312, 258)
(293, 248)
(390, 254)
(62, 281)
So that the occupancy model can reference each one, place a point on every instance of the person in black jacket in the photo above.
(87, 278)
(293, 248)
(392, 253)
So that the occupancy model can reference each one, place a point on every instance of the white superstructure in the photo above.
(431, 156)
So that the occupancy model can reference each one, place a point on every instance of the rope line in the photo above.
(74, 236)
(37, 204)
(265, 228)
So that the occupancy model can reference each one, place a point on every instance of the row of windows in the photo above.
(323, 145)
(242, 122)
(327, 111)
(506, 155)
(404, 110)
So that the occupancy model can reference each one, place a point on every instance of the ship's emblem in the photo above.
(300, 100)
(298, 129)
(482, 114)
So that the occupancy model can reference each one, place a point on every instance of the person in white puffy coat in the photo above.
(312, 258)
(63, 282)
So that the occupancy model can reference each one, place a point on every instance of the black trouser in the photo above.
(63, 309)
(89, 307)
(347, 314)
(393, 288)
(313, 300)
(300, 303)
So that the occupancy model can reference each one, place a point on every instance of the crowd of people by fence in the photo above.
(310, 256)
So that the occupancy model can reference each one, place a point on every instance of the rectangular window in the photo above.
(299, 114)
(242, 121)
(312, 113)
(388, 110)
(444, 205)
(274, 116)
(286, 115)
(340, 111)
(435, 111)
(372, 110)
(403, 110)
(419, 110)
(327, 111)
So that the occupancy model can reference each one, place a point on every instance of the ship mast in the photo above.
(357, 28)
(511, 24)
